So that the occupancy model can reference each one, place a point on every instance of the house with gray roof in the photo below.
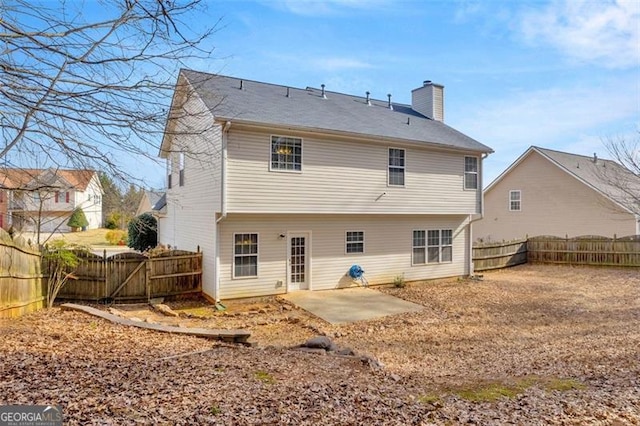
(548, 192)
(285, 189)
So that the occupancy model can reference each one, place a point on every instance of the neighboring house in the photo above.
(148, 201)
(47, 197)
(546, 192)
(285, 189)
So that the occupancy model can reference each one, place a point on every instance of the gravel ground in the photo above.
(527, 345)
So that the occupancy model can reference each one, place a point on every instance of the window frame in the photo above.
(475, 172)
(347, 242)
(512, 201)
(181, 160)
(272, 141)
(245, 255)
(403, 168)
(441, 246)
(169, 171)
(414, 247)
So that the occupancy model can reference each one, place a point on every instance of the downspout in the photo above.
(471, 219)
(223, 206)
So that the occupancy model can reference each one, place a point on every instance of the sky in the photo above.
(561, 74)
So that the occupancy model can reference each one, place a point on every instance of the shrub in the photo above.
(143, 232)
(116, 237)
(62, 260)
(111, 223)
(78, 219)
(399, 281)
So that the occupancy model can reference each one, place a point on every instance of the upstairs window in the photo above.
(286, 153)
(57, 197)
(169, 171)
(66, 197)
(470, 172)
(354, 242)
(245, 255)
(396, 167)
(515, 200)
(181, 169)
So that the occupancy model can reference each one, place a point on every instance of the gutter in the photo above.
(477, 218)
(223, 207)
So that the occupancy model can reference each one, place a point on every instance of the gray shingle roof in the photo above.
(268, 104)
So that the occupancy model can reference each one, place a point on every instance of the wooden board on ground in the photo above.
(236, 336)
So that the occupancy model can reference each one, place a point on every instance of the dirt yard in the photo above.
(528, 345)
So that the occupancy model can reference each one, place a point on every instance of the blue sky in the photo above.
(558, 74)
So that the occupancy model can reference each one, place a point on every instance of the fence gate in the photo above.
(126, 276)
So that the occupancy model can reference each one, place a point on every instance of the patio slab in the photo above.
(350, 304)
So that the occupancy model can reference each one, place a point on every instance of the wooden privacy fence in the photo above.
(584, 250)
(499, 255)
(133, 276)
(22, 288)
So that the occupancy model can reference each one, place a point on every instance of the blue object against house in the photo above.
(356, 272)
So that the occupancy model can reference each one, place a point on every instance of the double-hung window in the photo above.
(432, 246)
(470, 172)
(286, 153)
(354, 242)
(396, 167)
(515, 200)
(169, 171)
(245, 255)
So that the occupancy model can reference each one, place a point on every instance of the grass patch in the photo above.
(491, 392)
(564, 385)
(90, 237)
(215, 410)
(264, 377)
(428, 399)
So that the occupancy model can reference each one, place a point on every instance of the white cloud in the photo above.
(606, 33)
(572, 119)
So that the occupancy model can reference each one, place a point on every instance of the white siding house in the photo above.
(285, 189)
(46, 198)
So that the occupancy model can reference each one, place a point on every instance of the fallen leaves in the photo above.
(557, 345)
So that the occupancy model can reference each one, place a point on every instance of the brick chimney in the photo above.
(428, 100)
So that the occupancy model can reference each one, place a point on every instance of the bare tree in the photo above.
(624, 182)
(82, 92)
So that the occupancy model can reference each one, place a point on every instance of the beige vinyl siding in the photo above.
(438, 103)
(552, 203)
(388, 241)
(191, 209)
(344, 176)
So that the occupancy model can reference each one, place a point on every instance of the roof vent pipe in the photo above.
(408, 120)
(389, 102)
(241, 84)
(323, 95)
(368, 100)
(287, 92)
(595, 157)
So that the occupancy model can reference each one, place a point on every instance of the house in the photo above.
(547, 192)
(47, 197)
(285, 189)
(148, 201)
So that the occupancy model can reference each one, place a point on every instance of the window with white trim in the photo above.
(245, 255)
(432, 246)
(470, 172)
(395, 176)
(515, 200)
(181, 169)
(169, 170)
(286, 153)
(418, 256)
(354, 242)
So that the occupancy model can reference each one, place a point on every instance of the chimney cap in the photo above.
(426, 82)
